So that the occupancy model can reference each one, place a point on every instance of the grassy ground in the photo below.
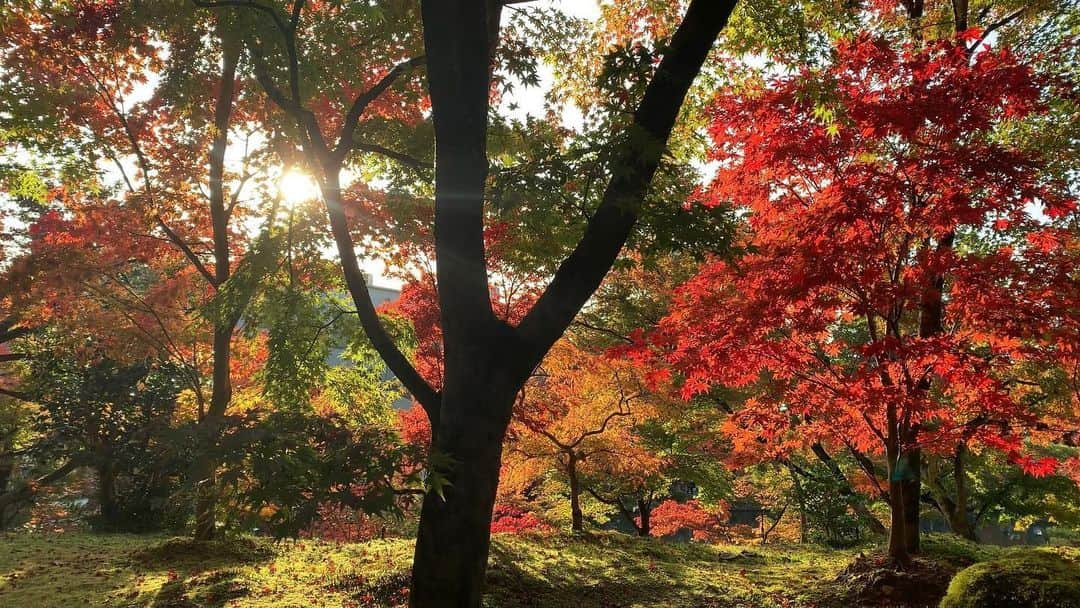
(604, 570)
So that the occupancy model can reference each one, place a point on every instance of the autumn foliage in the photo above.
(864, 314)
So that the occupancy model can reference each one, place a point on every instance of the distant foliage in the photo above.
(704, 523)
(514, 520)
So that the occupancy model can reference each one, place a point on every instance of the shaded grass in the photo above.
(598, 570)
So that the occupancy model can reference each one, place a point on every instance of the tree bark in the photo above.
(898, 546)
(486, 361)
(108, 509)
(205, 467)
(455, 524)
(954, 508)
(645, 515)
(577, 520)
(206, 464)
(959, 521)
(912, 492)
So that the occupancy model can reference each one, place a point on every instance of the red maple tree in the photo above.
(908, 275)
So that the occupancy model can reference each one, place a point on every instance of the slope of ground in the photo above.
(603, 570)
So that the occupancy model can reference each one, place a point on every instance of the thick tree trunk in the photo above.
(7, 468)
(487, 362)
(108, 509)
(455, 524)
(898, 546)
(577, 520)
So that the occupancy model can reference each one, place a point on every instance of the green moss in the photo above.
(582, 571)
(957, 551)
(1031, 578)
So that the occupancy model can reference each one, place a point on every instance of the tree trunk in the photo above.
(206, 465)
(644, 513)
(912, 492)
(7, 468)
(577, 521)
(958, 517)
(898, 546)
(108, 510)
(486, 361)
(801, 499)
(455, 527)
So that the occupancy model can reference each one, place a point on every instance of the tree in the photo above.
(486, 360)
(576, 406)
(877, 187)
(156, 250)
(112, 418)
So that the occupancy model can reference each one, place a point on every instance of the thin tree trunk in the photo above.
(912, 492)
(958, 518)
(645, 514)
(577, 520)
(801, 499)
(206, 464)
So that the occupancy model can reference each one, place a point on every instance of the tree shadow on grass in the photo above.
(201, 573)
(210, 590)
(592, 573)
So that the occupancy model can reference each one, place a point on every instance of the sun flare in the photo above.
(296, 187)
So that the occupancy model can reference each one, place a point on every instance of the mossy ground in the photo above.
(600, 570)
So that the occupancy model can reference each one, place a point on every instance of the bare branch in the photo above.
(405, 159)
(194, 259)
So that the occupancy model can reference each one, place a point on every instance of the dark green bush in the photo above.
(1032, 579)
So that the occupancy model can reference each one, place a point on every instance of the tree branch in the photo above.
(995, 26)
(606, 233)
(405, 159)
(188, 253)
(362, 101)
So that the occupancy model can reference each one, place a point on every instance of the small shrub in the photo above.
(514, 520)
(1035, 579)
